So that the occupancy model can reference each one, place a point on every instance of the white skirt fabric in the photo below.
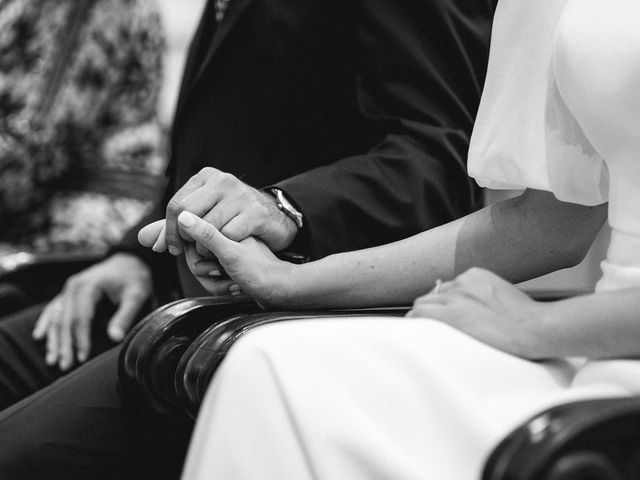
(375, 398)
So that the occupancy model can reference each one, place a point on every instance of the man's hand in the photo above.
(66, 320)
(205, 267)
(237, 210)
(153, 236)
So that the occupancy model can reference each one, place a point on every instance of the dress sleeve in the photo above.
(525, 136)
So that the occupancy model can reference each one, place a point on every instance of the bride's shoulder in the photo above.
(597, 68)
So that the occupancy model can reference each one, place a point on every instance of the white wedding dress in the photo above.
(389, 398)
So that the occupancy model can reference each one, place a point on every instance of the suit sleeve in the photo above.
(421, 69)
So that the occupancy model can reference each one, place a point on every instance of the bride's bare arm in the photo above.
(519, 239)
(606, 324)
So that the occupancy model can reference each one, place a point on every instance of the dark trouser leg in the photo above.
(22, 367)
(76, 427)
(68, 429)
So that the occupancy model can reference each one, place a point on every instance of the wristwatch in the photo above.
(287, 208)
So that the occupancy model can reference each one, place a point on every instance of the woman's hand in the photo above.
(252, 267)
(208, 272)
(487, 308)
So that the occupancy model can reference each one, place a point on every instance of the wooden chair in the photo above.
(170, 357)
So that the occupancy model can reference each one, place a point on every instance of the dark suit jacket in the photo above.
(360, 110)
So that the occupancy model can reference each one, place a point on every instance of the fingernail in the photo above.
(214, 273)
(156, 247)
(234, 288)
(174, 250)
(82, 356)
(116, 334)
(186, 219)
(235, 292)
(50, 359)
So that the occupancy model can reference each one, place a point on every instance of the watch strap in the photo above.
(287, 207)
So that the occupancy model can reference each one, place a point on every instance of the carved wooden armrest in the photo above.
(169, 358)
(582, 440)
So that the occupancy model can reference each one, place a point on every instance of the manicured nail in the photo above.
(186, 219)
(214, 273)
(174, 250)
(116, 334)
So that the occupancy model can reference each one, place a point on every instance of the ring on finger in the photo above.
(57, 306)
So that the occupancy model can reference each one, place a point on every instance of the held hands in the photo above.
(204, 266)
(66, 321)
(232, 207)
(487, 308)
(250, 264)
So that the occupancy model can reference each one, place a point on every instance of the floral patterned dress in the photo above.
(81, 151)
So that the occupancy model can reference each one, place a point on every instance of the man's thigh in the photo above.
(72, 428)
(76, 426)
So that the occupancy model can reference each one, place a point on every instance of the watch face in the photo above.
(286, 206)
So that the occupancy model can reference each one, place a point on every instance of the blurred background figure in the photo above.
(81, 148)
(179, 21)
